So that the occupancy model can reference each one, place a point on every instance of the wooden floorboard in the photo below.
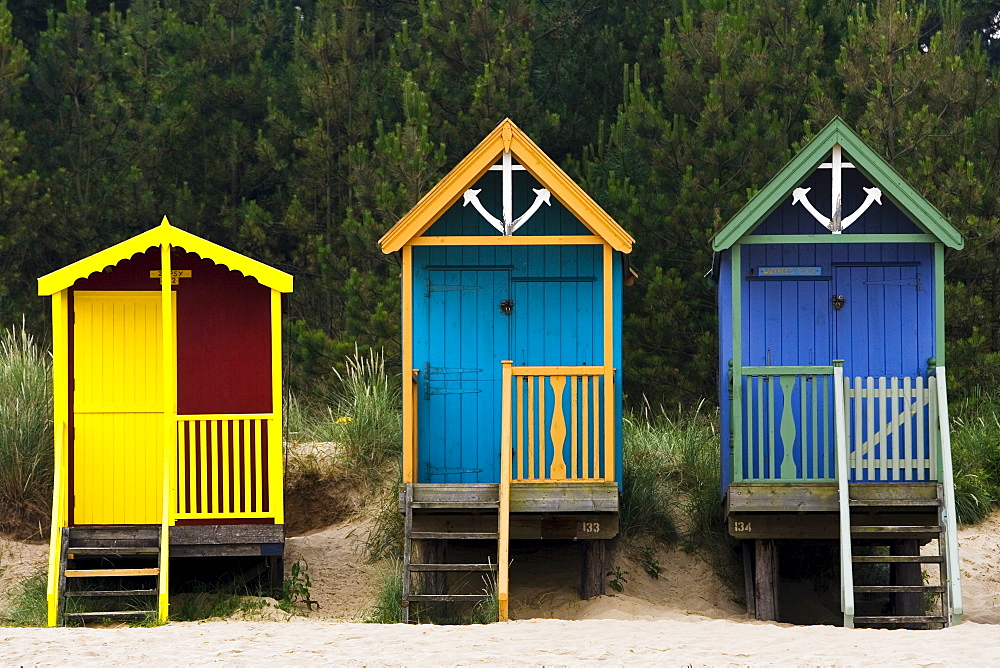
(820, 497)
(548, 497)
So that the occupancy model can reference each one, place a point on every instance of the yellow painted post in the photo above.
(60, 405)
(275, 428)
(503, 531)
(169, 427)
(609, 370)
(557, 431)
(258, 482)
(409, 398)
(227, 464)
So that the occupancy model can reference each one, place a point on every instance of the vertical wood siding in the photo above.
(223, 340)
(461, 336)
(879, 219)
(462, 221)
(117, 406)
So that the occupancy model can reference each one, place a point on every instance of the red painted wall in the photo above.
(223, 340)
(223, 331)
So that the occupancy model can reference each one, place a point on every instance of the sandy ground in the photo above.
(685, 640)
(684, 617)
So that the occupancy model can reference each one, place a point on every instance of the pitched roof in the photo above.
(506, 136)
(873, 166)
(164, 233)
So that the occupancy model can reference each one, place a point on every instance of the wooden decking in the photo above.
(577, 510)
(811, 510)
(227, 540)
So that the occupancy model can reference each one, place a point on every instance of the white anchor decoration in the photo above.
(836, 223)
(509, 224)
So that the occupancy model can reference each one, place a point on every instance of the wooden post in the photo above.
(276, 575)
(748, 578)
(766, 580)
(169, 427)
(503, 519)
(593, 568)
(431, 551)
(906, 574)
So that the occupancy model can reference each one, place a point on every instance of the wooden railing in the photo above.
(949, 514)
(60, 519)
(843, 495)
(910, 445)
(561, 425)
(228, 466)
(787, 423)
(891, 426)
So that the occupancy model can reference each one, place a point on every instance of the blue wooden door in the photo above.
(787, 416)
(459, 411)
(878, 327)
(879, 331)
(555, 323)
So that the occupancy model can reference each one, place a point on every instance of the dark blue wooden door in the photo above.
(877, 329)
(788, 323)
(459, 412)
(787, 415)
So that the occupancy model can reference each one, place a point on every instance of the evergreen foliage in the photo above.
(298, 133)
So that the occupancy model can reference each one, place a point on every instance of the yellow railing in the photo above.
(60, 507)
(559, 428)
(228, 466)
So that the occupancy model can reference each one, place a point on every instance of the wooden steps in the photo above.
(453, 535)
(112, 592)
(436, 578)
(903, 601)
(467, 598)
(897, 559)
(881, 620)
(114, 616)
(455, 505)
(112, 551)
(456, 568)
(109, 573)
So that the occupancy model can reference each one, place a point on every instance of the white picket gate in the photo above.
(892, 429)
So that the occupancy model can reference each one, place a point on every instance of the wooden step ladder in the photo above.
(113, 567)
(862, 511)
(409, 535)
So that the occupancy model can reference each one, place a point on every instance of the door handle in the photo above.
(838, 302)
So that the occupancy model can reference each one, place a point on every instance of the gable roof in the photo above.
(164, 233)
(506, 136)
(924, 214)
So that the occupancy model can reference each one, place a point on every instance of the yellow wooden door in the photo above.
(117, 408)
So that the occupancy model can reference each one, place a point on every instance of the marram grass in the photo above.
(975, 446)
(25, 431)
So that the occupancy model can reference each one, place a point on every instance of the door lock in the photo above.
(838, 302)
(506, 306)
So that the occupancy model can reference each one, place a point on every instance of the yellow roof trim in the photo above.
(506, 136)
(164, 233)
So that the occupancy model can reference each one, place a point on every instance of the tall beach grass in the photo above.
(25, 433)
(361, 416)
(671, 479)
(975, 442)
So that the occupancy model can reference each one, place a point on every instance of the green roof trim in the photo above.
(924, 214)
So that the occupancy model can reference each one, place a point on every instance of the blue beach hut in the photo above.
(833, 390)
(511, 306)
